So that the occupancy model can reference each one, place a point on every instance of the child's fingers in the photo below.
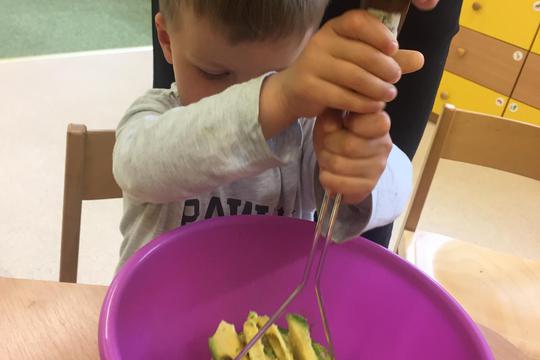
(366, 57)
(349, 164)
(329, 121)
(354, 189)
(355, 78)
(409, 60)
(344, 166)
(368, 126)
(345, 143)
(337, 97)
(359, 25)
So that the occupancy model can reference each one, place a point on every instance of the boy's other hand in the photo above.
(347, 65)
(352, 152)
(350, 64)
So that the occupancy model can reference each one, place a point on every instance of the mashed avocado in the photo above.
(294, 343)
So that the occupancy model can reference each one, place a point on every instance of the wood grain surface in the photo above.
(498, 290)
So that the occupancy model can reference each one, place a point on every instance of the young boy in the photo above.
(237, 132)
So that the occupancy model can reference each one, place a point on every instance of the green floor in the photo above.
(38, 27)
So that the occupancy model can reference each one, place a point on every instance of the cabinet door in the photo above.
(485, 60)
(519, 111)
(513, 21)
(536, 45)
(468, 95)
(528, 86)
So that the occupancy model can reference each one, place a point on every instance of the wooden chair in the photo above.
(88, 176)
(500, 291)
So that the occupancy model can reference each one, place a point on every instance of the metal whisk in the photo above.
(307, 272)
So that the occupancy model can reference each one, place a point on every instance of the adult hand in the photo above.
(425, 4)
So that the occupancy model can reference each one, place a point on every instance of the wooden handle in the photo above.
(461, 52)
(445, 95)
(476, 6)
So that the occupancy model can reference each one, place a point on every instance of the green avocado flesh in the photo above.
(277, 343)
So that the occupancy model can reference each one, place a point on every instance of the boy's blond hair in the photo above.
(249, 20)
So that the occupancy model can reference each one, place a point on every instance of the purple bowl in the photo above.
(170, 296)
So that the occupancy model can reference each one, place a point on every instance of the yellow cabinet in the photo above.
(468, 95)
(513, 21)
(519, 111)
(536, 45)
(485, 60)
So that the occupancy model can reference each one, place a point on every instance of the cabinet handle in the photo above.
(445, 95)
(514, 107)
(476, 6)
(461, 52)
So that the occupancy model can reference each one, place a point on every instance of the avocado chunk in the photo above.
(262, 320)
(268, 350)
(300, 338)
(322, 353)
(250, 330)
(276, 340)
(225, 344)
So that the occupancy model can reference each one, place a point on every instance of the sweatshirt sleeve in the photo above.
(165, 152)
(386, 202)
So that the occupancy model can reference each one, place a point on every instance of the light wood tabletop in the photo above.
(498, 290)
(49, 320)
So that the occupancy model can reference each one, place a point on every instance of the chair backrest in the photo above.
(477, 139)
(88, 176)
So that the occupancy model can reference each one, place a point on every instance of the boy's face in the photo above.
(206, 63)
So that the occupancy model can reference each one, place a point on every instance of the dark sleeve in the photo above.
(430, 33)
(163, 71)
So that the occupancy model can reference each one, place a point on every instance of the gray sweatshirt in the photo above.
(180, 164)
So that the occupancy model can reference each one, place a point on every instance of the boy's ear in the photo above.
(163, 37)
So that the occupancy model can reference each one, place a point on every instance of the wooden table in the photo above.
(47, 320)
(498, 290)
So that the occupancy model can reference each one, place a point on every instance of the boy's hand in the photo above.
(351, 152)
(350, 64)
